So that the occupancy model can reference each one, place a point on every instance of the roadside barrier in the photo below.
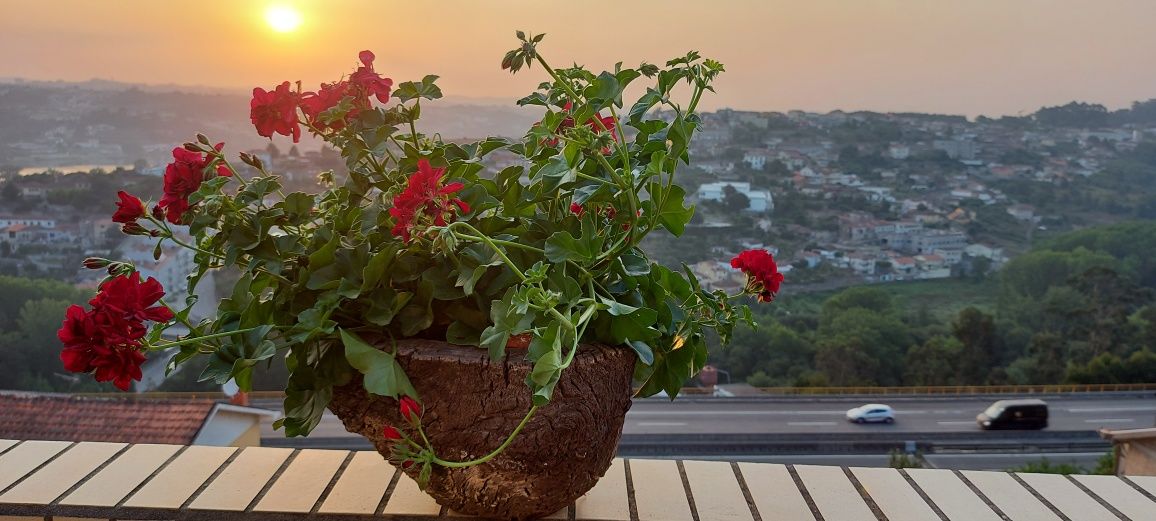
(770, 391)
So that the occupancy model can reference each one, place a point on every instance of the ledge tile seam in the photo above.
(1095, 497)
(631, 503)
(14, 445)
(37, 469)
(750, 498)
(975, 490)
(184, 508)
(923, 494)
(871, 504)
(332, 483)
(88, 476)
(686, 489)
(131, 493)
(1055, 510)
(388, 493)
(269, 483)
(806, 493)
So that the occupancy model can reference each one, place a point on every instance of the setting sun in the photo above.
(282, 19)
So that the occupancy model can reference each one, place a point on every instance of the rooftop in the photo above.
(74, 418)
(96, 480)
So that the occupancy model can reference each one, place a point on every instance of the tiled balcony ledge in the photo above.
(64, 481)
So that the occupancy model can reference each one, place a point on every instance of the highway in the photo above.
(912, 415)
(801, 415)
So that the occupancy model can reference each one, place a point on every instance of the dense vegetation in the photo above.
(1079, 308)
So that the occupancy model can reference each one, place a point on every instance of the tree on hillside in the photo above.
(734, 200)
(935, 362)
(980, 345)
(1111, 300)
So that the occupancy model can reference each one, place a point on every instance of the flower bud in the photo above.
(134, 228)
(158, 213)
(410, 410)
(96, 263)
(202, 139)
(192, 147)
(391, 433)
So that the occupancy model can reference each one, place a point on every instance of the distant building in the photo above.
(1135, 450)
(760, 200)
(957, 148)
(1022, 212)
(41, 416)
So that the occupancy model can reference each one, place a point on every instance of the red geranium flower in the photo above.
(763, 277)
(425, 196)
(133, 299)
(183, 177)
(106, 340)
(103, 342)
(370, 82)
(327, 97)
(598, 123)
(275, 112)
(391, 433)
(577, 209)
(128, 209)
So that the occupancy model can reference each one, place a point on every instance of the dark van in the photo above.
(1014, 414)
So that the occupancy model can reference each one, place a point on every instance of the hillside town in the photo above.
(840, 198)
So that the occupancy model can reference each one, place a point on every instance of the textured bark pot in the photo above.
(472, 404)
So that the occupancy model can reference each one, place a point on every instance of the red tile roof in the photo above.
(32, 416)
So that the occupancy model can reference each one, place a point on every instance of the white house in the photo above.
(760, 200)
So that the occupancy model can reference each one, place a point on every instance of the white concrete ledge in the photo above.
(55, 480)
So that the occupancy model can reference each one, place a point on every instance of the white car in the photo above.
(872, 412)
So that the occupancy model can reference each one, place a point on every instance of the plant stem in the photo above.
(206, 337)
(489, 242)
(488, 457)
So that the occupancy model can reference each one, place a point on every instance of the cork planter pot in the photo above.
(472, 404)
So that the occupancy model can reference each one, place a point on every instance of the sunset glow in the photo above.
(283, 19)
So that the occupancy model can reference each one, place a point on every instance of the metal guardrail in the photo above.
(770, 391)
(963, 389)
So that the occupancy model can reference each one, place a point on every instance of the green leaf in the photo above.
(561, 247)
(417, 315)
(672, 215)
(642, 349)
(556, 173)
(383, 375)
(425, 88)
(462, 334)
(634, 265)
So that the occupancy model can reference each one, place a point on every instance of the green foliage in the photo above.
(900, 460)
(1045, 466)
(30, 315)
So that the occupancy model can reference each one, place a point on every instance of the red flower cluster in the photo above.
(763, 277)
(128, 209)
(598, 123)
(107, 338)
(424, 195)
(182, 178)
(275, 112)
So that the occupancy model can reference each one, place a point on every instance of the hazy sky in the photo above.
(949, 56)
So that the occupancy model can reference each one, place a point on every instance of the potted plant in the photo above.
(486, 330)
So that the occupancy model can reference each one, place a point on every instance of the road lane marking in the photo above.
(956, 422)
(1111, 420)
(736, 413)
(1112, 409)
(810, 424)
(662, 424)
